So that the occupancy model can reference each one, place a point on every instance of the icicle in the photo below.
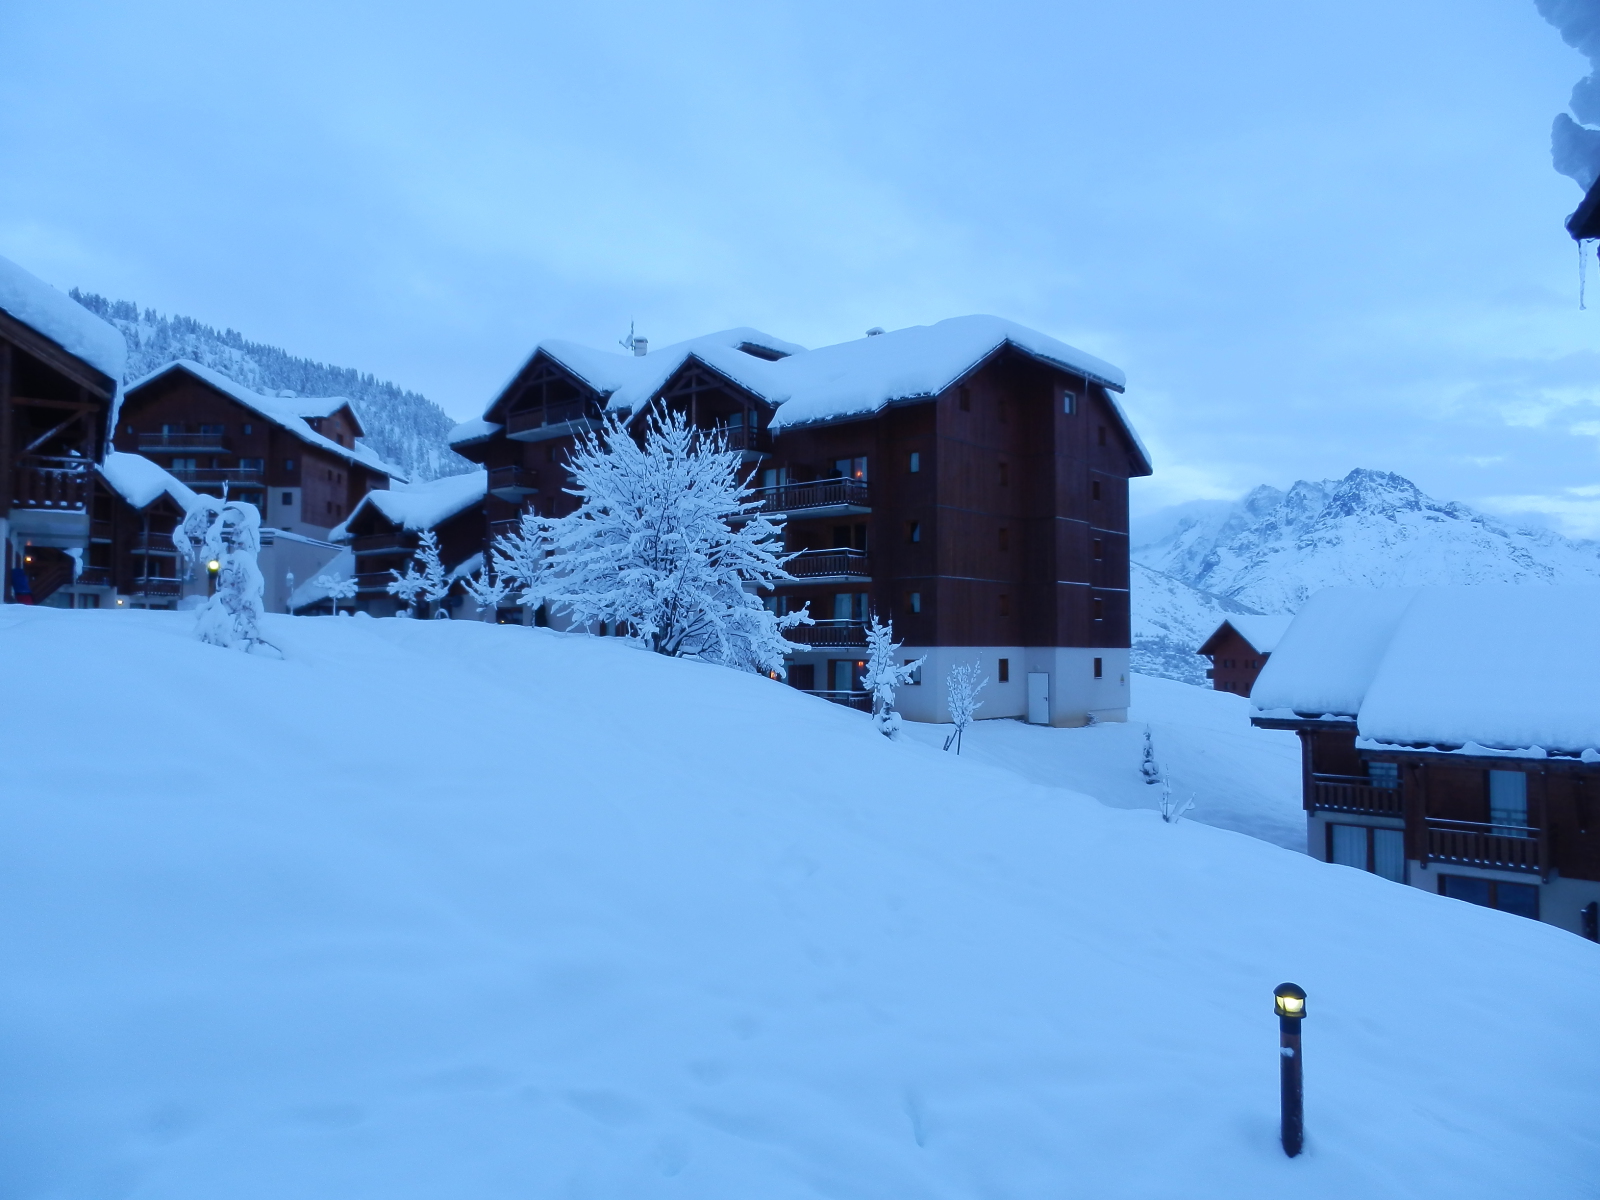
(1582, 275)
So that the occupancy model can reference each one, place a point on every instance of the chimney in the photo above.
(875, 331)
(641, 347)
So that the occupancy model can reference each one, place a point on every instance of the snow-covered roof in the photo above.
(140, 482)
(475, 430)
(1262, 632)
(420, 506)
(315, 408)
(834, 383)
(63, 320)
(1498, 668)
(281, 411)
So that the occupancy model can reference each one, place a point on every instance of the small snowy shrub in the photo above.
(962, 686)
(229, 533)
(487, 590)
(1171, 810)
(1149, 768)
(336, 589)
(430, 584)
(885, 674)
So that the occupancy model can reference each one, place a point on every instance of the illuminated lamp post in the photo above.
(1290, 1002)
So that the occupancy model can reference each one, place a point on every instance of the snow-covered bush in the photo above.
(521, 558)
(885, 674)
(1171, 810)
(962, 686)
(666, 541)
(487, 589)
(1148, 767)
(430, 584)
(227, 532)
(336, 589)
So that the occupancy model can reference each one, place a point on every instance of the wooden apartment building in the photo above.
(383, 533)
(1450, 740)
(968, 480)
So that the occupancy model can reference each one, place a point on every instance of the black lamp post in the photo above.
(1290, 1002)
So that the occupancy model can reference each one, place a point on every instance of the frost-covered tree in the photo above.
(1148, 767)
(667, 541)
(336, 589)
(430, 585)
(521, 558)
(487, 589)
(1171, 810)
(227, 532)
(885, 674)
(961, 686)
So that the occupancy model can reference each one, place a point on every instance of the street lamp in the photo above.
(1289, 1000)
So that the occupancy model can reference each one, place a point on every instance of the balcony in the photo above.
(860, 701)
(1354, 794)
(830, 566)
(94, 577)
(384, 543)
(750, 440)
(551, 421)
(1497, 847)
(156, 589)
(370, 583)
(513, 483)
(217, 476)
(829, 633)
(153, 543)
(824, 498)
(210, 442)
(52, 484)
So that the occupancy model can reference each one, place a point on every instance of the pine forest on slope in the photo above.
(405, 427)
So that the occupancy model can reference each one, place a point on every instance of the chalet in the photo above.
(60, 373)
(133, 562)
(1450, 740)
(297, 459)
(383, 532)
(968, 480)
(1239, 648)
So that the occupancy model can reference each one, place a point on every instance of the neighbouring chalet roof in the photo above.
(1263, 633)
(315, 408)
(1497, 669)
(141, 482)
(844, 382)
(419, 506)
(63, 320)
(1584, 223)
(281, 411)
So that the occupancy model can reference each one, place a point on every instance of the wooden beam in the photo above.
(45, 437)
(40, 402)
(27, 338)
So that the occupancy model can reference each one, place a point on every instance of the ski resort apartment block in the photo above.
(968, 480)
(1450, 740)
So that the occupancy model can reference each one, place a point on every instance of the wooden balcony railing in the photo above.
(153, 543)
(373, 582)
(94, 577)
(384, 543)
(57, 484)
(550, 420)
(825, 493)
(1475, 844)
(1354, 794)
(160, 589)
(215, 476)
(817, 564)
(214, 442)
(749, 439)
(829, 633)
(512, 483)
(860, 701)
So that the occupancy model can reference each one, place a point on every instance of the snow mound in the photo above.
(442, 908)
(66, 323)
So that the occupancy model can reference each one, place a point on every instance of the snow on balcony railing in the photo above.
(814, 564)
(829, 633)
(825, 493)
(1354, 794)
(1476, 844)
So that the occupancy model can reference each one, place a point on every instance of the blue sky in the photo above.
(1316, 236)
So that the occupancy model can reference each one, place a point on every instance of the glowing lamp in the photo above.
(1289, 1000)
(213, 565)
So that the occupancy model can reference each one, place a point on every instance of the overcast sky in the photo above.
(1316, 235)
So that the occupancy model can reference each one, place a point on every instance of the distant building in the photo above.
(1239, 648)
(383, 532)
(1450, 739)
(968, 480)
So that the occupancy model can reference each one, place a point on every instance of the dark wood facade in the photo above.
(381, 545)
(207, 438)
(1235, 663)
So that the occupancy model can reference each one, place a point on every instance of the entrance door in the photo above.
(1038, 698)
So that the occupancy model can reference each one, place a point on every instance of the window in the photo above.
(1005, 475)
(916, 462)
(1102, 435)
(329, 503)
(288, 464)
(288, 498)
(916, 673)
(1069, 402)
(850, 606)
(1005, 670)
(1005, 538)
(913, 531)
(1094, 490)
(914, 602)
(1005, 605)
(1100, 611)
(252, 464)
(217, 430)
(1508, 801)
(249, 429)
(1099, 549)
(1099, 667)
(775, 477)
(803, 676)
(1519, 898)
(1384, 775)
(850, 468)
(846, 675)
(184, 464)
(1380, 851)
(964, 399)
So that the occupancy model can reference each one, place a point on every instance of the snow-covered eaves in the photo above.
(316, 408)
(281, 411)
(141, 482)
(1262, 632)
(1474, 671)
(63, 320)
(475, 430)
(418, 506)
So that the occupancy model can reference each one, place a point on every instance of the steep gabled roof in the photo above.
(283, 412)
(317, 408)
(418, 506)
(1261, 633)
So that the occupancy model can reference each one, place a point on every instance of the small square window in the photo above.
(1005, 670)
(1099, 667)
(916, 462)
(288, 464)
(249, 429)
(1069, 402)
(913, 531)
(916, 602)
(1005, 605)
(916, 674)
(288, 498)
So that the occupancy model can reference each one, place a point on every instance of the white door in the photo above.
(1038, 698)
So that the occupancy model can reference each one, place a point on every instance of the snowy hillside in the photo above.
(1273, 548)
(403, 427)
(444, 909)
(1171, 620)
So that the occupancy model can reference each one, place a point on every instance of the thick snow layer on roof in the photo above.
(419, 506)
(313, 407)
(140, 481)
(1331, 652)
(1506, 667)
(63, 320)
(1264, 633)
(475, 430)
(281, 411)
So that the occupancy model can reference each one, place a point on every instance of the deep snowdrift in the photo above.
(447, 910)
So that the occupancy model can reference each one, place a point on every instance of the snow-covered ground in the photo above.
(1241, 778)
(441, 909)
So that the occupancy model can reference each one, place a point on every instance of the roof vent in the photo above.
(287, 393)
(875, 331)
(641, 347)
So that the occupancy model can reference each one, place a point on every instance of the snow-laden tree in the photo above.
(227, 532)
(886, 674)
(336, 589)
(961, 686)
(522, 557)
(487, 589)
(430, 584)
(668, 541)
(1148, 767)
